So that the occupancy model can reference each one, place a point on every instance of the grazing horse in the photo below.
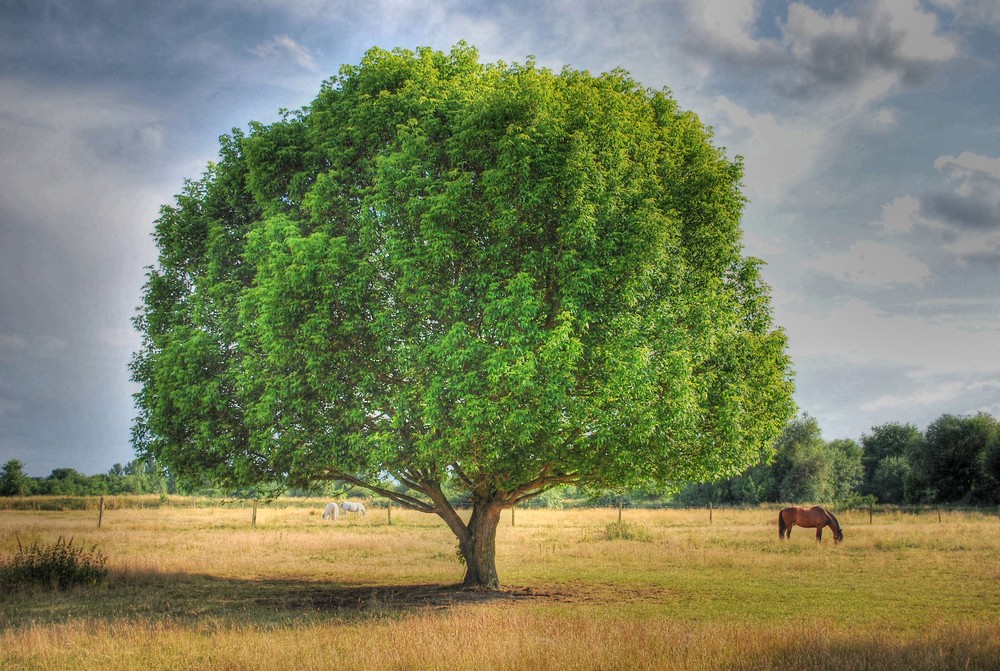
(354, 507)
(331, 512)
(813, 518)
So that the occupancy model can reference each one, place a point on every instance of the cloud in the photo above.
(726, 30)
(935, 394)
(283, 46)
(974, 202)
(67, 152)
(836, 51)
(860, 333)
(973, 12)
(778, 154)
(885, 45)
(12, 345)
(901, 215)
(873, 264)
(965, 211)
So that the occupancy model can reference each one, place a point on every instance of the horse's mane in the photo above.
(830, 515)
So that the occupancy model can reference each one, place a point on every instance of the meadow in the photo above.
(195, 587)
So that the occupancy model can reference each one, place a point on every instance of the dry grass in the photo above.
(199, 589)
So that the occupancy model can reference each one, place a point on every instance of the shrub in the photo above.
(59, 566)
(625, 531)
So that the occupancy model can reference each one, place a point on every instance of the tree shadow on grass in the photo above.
(183, 597)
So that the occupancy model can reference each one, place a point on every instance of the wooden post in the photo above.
(253, 517)
(100, 514)
(388, 510)
(620, 504)
(709, 513)
(939, 515)
(870, 506)
(512, 515)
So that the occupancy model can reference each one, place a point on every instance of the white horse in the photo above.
(354, 507)
(331, 512)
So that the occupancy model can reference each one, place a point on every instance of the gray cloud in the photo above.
(819, 55)
(834, 62)
(976, 13)
(972, 205)
(966, 211)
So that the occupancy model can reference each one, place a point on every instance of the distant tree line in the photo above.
(955, 460)
(136, 477)
(140, 476)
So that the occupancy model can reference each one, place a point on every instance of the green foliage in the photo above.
(444, 273)
(137, 477)
(535, 276)
(888, 483)
(885, 456)
(800, 470)
(951, 464)
(846, 468)
(804, 468)
(551, 498)
(60, 565)
(13, 481)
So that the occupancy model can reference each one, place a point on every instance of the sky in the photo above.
(870, 133)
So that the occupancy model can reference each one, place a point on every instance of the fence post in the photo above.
(620, 504)
(512, 515)
(100, 513)
(870, 506)
(253, 517)
(388, 510)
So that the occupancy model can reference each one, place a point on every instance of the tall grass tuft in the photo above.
(626, 531)
(60, 565)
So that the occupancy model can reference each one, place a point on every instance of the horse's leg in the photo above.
(819, 534)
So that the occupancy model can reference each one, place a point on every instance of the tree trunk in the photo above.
(478, 547)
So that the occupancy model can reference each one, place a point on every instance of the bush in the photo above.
(625, 531)
(59, 566)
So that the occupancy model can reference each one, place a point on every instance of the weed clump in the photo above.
(59, 566)
(626, 531)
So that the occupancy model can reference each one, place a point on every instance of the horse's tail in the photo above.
(781, 524)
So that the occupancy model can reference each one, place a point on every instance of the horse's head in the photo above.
(838, 535)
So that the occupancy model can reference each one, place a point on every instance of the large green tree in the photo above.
(885, 459)
(442, 272)
(954, 460)
(13, 481)
(801, 469)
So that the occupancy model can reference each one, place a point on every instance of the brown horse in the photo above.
(813, 518)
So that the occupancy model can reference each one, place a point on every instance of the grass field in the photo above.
(197, 588)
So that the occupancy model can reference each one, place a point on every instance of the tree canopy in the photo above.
(490, 275)
(956, 461)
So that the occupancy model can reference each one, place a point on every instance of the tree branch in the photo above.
(446, 512)
(402, 499)
(538, 486)
(461, 475)
(410, 482)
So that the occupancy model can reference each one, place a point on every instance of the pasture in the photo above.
(197, 588)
